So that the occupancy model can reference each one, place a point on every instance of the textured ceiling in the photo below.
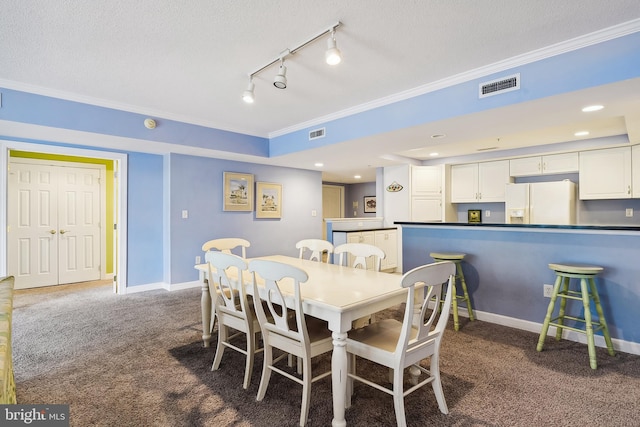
(189, 61)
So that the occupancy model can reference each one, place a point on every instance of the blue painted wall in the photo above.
(505, 269)
(163, 246)
(357, 193)
(196, 185)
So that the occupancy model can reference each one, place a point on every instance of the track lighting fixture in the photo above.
(280, 81)
(332, 57)
(247, 95)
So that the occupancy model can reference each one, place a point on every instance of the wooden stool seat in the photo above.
(456, 258)
(586, 294)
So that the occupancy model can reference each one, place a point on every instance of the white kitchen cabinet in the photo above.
(479, 182)
(543, 165)
(429, 201)
(635, 171)
(426, 181)
(605, 174)
(387, 240)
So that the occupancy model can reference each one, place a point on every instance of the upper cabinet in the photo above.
(479, 182)
(428, 196)
(539, 165)
(635, 171)
(605, 174)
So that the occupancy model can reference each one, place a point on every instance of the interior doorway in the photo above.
(332, 204)
(117, 251)
(56, 222)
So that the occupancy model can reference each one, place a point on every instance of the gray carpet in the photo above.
(138, 360)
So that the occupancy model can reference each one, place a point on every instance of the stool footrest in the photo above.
(571, 295)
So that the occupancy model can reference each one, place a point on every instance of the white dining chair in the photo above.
(398, 345)
(361, 252)
(232, 308)
(227, 245)
(317, 247)
(298, 335)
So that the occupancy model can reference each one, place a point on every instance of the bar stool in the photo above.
(456, 258)
(587, 293)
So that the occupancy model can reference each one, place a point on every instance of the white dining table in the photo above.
(333, 293)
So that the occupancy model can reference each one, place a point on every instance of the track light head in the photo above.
(332, 55)
(280, 81)
(247, 95)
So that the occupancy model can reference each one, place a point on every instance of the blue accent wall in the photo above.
(144, 219)
(197, 185)
(505, 269)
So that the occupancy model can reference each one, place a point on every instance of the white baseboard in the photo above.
(618, 344)
(162, 285)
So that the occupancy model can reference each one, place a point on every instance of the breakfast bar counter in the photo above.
(507, 265)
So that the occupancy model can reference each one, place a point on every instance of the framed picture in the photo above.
(474, 216)
(238, 192)
(268, 200)
(370, 204)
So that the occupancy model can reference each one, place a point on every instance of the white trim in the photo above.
(120, 165)
(594, 38)
(618, 344)
(165, 286)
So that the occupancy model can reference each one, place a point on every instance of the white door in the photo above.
(54, 224)
(332, 204)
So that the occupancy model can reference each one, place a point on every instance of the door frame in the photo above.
(120, 190)
(101, 168)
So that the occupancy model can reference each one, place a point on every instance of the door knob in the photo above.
(63, 231)
(52, 231)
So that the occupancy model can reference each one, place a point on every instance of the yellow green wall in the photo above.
(109, 190)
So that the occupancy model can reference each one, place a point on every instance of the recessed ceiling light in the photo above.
(582, 133)
(319, 165)
(357, 176)
(591, 108)
(438, 135)
(434, 154)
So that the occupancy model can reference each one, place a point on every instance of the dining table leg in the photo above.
(205, 303)
(339, 378)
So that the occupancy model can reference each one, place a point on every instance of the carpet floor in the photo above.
(138, 360)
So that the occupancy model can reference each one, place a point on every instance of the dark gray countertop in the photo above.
(521, 226)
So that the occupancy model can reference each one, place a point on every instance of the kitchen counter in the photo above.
(525, 227)
(507, 265)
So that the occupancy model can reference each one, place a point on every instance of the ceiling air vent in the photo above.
(498, 86)
(315, 134)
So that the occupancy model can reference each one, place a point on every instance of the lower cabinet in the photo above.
(385, 239)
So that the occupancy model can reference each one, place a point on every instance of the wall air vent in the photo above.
(315, 134)
(498, 86)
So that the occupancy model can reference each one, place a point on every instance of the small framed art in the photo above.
(268, 200)
(474, 216)
(370, 204)
(238, 192)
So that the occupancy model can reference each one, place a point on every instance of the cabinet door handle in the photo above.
(63, 231)
(544, 166)
(628, 189)
(52, 231)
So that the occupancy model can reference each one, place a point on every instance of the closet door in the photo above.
(54, 224)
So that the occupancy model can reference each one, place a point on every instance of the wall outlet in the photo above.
(487, 214)
(629, 212)
(547, 290)
(198, 260)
